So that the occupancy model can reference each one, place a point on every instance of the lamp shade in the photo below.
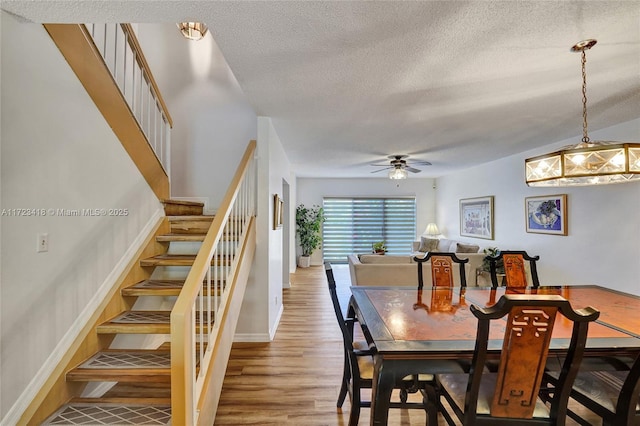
(432, 230)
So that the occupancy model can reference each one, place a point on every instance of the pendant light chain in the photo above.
(585, 136)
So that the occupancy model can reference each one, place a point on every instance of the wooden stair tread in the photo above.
(138, 322)
(120, 365)
(130, 411)
(138, 390)
(155, 288)
(127, 359)
(195, 224)
(180, 237)
(130, 401)
(183, 203)
(191, 218)
(181, 207)
(155, 375)
(176, 260)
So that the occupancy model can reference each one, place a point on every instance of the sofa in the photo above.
(402, 270)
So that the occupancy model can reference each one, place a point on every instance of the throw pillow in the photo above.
(445, 245)
(467, 248)
(427, 244)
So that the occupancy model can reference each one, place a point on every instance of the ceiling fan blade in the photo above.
(419, 162)
(412, 170)
(380, 170)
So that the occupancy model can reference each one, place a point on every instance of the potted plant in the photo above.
(308, 226)
(379, 247)
(492, 252)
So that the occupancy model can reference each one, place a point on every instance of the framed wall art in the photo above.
(546, 214)
(278, 206)
(476, 217)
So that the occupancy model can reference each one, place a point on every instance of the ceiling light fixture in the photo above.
(193, 30)
(398, 173)
(589, 162)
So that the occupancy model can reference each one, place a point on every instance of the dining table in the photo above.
(425, 331)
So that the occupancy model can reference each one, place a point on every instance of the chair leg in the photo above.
(354, 414)
(431, 402)
(346, 377)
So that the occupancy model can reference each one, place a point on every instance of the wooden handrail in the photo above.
(77, 46)
(142, 61)
(184, 394)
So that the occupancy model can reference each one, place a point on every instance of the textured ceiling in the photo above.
(450, 82)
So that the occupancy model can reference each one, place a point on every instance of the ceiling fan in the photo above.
(399, 166)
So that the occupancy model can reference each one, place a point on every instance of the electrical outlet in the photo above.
(43, 243)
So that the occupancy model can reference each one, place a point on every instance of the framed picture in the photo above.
(546, 214)
(278, 206)
(476, 217)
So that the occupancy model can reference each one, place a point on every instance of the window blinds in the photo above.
(353, 224)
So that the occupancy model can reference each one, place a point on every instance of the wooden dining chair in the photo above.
(612, 394)
(510, 396)
(358, 368)
(514, 268)
(441, 269)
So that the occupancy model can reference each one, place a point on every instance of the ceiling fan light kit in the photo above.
(588, 162)
(399, 166)
(398, 174)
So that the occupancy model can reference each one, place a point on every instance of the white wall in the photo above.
(213, 122)
(603, 222)
(312, 191)
(262, 304)
(57, 153)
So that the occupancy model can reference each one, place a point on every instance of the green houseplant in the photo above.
(379, 247)
(308, 227)
(492, 252)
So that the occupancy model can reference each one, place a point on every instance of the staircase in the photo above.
(137, 381)
(156, 349)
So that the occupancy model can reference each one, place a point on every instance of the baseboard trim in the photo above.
(22, 403)
(260, 337)
(274, 327)
(251, 338)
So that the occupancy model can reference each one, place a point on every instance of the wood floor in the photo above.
(295, 379)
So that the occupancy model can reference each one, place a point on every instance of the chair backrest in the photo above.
(514, 268)
(524, 352)
(346, 335)
(441, 300)
(441, 269)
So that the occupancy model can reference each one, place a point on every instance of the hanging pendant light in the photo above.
(193, 30)
(589, 162)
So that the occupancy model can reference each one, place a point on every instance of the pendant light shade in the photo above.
(589, 162)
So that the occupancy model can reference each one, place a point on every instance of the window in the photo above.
(353, 224)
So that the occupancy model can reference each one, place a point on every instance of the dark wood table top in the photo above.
(437, 323)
